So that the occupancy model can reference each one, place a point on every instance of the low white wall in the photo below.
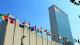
(29, 39)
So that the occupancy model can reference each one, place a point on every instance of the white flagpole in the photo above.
(36, 38)
(40, 31)
(29, 34)
(42, 37)
(14, 32)
(36, 34)
(46, 35)
(23, 34)
(51, 38)
(47, 38)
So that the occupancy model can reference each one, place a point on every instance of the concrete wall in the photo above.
(2, 32)
(29, 39)
(9, 34)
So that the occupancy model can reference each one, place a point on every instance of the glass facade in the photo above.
(63, 24)
(60, 25)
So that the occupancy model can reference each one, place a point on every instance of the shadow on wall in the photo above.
(2, 31)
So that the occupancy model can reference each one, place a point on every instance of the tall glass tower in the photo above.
(60, 26)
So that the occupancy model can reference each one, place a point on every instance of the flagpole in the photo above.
(14, 32)
(51, 38)
(23, 33)
(29, 34)
(47, 38)
(36, 36)
(23, 28)
(41, 34)
(46, 35)
(42, 38)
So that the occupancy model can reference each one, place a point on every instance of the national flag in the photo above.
(4, 17)
(35, 27)
(38, 30)
(45, 30)
(26, 24)
(21, 25)
(31, 28)
(49, 33)
(78, 41)
(12, 20)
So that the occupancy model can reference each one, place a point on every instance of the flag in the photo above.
(26, 24)
(38, 30)
(78, 41)
(35, 28)
(21, 25)
(31, 28)
(49, 33)
(12, 20)
(4, 17)
(45, 30)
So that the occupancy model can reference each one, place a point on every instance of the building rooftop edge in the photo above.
(58, 8)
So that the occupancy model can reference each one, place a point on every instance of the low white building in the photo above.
(12, 34)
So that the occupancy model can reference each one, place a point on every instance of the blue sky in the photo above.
(36, 12)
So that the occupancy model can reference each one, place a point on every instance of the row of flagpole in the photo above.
(29, 28)
(40, 31)
(41, 34)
